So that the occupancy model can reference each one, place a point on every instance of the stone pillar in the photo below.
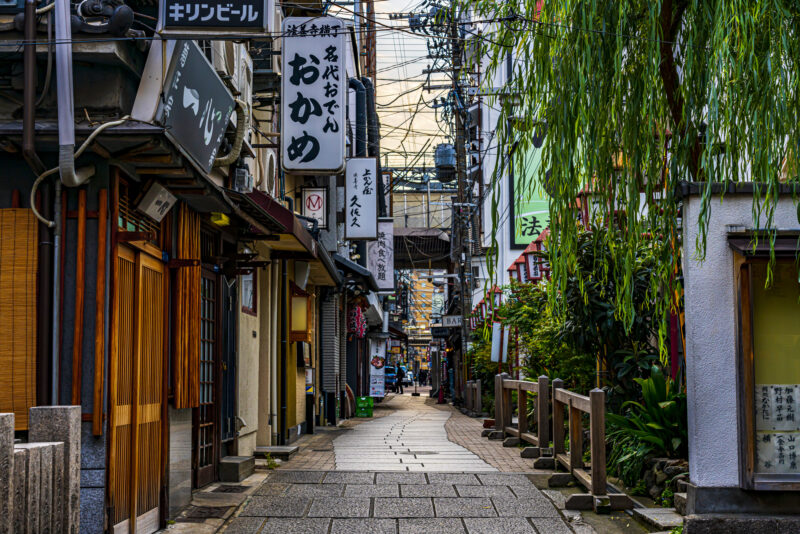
(62, 423)
(6, 468)
(20, 483)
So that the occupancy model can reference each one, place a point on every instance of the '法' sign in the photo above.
(361, 199)
(314, 87)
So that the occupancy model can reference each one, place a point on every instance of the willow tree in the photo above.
(627, 98)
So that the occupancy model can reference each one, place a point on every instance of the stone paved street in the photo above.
(355, 502)
(416, 467)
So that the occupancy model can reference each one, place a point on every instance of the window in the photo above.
(770, 319)
(249, 290)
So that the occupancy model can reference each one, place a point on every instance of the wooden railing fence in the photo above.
(504, 409)
(472, 396)
(593, 476)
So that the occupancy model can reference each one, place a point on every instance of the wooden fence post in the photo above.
(506, 396)
(575, 438)
(478, 398)
(597, 431)
(498, 402)
(522, 409)
(543, 412)
(558, 419)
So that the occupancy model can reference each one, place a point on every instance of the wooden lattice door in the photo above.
(136, 393)
(206, 416)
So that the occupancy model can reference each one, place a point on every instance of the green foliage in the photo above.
(667, 498)
(656, 426)
(626, 98)
(271, 463)
(677, 530)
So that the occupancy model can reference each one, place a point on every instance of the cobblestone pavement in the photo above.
(352, 502)
(412, 438)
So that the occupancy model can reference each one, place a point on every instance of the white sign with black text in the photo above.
(361, 199)
(313, 92)
(451, 321)
(380, 255)
(315, 205)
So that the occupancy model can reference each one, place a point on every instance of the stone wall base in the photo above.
(740, 524)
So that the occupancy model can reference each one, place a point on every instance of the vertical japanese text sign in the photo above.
(361, 199)
(313, 92)
(380, 255)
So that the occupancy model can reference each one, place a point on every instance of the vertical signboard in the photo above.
(497, 341)
(196, 105)
(313, 91)
(377, 367)
(530, 211)
(380, 255)
(315, 205)
(361, 199)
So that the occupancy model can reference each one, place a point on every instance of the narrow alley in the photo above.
(399, 472)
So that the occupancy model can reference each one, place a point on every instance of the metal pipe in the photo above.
(284, 349)
(273, 353)
(44, 309)
(361, 117)
(66, 112)
(374, 142)
(29, 94)
(56, 326)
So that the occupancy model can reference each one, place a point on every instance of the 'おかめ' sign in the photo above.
(314, 88)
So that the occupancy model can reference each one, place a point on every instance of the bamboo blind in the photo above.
(18, 268)
(186, 334)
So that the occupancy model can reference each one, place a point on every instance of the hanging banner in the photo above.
(313, 91)
(361, 200)
(377, 367)
(380, 255)
(497, 341)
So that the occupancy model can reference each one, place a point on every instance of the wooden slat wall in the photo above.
(186, 320)
(18, 269)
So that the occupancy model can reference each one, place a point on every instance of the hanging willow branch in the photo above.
(633, 97)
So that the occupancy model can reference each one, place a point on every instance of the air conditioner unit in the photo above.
(233, 64)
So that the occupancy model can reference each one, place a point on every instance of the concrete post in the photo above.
(62, 423)
(20, 482)
(498, 402)
(6, 469)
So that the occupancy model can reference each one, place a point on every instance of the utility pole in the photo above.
(464, 207)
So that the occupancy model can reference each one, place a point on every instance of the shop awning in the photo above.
(288, 235)
(351, 269)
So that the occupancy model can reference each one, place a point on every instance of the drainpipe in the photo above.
(284, 350)
(29, 98)
(374, 143)
(66, 115)
(361, 117)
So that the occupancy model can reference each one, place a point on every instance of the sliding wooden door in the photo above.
(206, 416)
(136, 376)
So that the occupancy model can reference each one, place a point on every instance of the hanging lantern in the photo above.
(300, 318)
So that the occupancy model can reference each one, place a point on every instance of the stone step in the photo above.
(680, 503)
(659, 518)
(236, 468)
(278, 451)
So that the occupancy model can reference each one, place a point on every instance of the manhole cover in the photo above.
(419, 453)
(206, 512)
(230, 489)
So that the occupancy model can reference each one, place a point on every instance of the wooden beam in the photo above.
(99, 315)
(167, 171)
(147, 158)
(80, 275)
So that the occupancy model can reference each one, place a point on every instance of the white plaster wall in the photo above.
(712, 337)
(247, 375)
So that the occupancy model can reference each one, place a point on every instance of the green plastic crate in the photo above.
(364, 402)
(364, 412)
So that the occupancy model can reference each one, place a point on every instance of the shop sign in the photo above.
(377, 368)
(497, 341)
(380, 255)
(196, 105)
(451, 321)
(313, 92)
(361, 199)
(440, 332)
(315, 205)
(213, 18)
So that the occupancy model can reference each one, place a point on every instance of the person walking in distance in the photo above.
(401, 374)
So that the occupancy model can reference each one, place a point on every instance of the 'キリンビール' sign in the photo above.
(380, 255)
(361, 199)
(313, 92)
(213, 18)
(196, 106)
